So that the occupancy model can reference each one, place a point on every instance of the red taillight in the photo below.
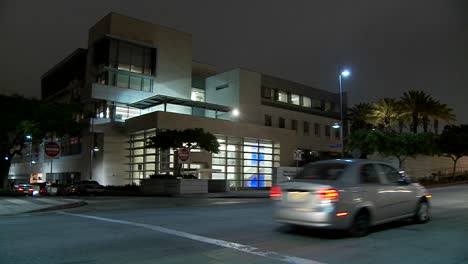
(31, 189)
(275, 192)
(20, 189)
(328, 194)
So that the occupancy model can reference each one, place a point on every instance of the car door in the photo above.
(400, 195)
(372, 190)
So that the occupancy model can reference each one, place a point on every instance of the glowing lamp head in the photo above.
(235, 112)
(336, 125)
(345, 73)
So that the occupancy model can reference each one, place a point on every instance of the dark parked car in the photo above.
(26, 189)
(87, 187)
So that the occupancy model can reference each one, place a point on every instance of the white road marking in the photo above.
(18, 201)
(217, 242)
(51, 201)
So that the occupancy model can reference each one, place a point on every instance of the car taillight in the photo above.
(328, 194)
(31, 189)
(275, 192)
(20, 189)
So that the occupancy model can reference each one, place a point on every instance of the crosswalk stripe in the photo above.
(17, 201)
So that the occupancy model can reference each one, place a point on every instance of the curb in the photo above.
(58, 207)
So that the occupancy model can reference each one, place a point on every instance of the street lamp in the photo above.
(235, 112)
(336, 125)
(344, 73)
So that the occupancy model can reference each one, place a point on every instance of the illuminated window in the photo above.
(282, 97)
(197, 95)
(306, 102)
(295, 99)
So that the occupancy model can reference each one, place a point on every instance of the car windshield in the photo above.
(322, 171)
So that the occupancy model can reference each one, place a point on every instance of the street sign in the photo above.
(297, 155)
(52, 150)
(184, 155)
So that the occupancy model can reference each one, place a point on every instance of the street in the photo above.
(223, 230)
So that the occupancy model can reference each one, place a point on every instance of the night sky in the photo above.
(390, 46)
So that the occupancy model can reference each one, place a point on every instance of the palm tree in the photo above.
(443, 112)
(421, 108)
(385, 113)
(415, 104)
(358, 116)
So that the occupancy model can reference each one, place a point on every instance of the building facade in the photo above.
(136, 77)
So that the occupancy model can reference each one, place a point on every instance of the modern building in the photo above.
(136, 77)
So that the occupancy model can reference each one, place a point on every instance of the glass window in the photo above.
(135, 83)
(306, 128)
(327, 106)
(337, 133)
(122, 80)
(137, 60)
(295, 99)
(281, 123)
(317, 129)
(268, 120)
(124, 56)
(146, 85)
(266, 92)
(198, 95)
(282, 97)
(294, 124)
(389, 174)
(317, 104)
(322, 171)
(369, 174)
(327, 131)
(306, 102)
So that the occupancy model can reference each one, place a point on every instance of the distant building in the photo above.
(136, 77)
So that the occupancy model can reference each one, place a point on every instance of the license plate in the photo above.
(297, 196)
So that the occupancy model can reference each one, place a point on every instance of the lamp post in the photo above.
(344, 73)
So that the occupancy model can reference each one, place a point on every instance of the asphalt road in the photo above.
(181, 230)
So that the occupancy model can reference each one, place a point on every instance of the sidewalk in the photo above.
(17, 205)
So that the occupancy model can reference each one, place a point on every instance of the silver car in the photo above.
(351, 195)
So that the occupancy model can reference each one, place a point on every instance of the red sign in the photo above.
(184, 154)
(52, 149)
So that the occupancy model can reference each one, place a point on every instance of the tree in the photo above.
(453, 143)
(421, 108)
(35, 118)
(358, 116)
(188, 138)
(391, 143)
(385, 113)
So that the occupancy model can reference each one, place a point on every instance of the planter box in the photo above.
(174, 186)
(218, 186)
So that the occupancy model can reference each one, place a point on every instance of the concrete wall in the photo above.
(174, 51)
(423, 166)
(228, 96)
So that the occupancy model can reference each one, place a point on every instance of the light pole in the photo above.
(344, 73)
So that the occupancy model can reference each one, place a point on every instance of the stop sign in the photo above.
(184, 154)
(52, 149)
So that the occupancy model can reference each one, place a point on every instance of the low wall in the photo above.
(218, 186)
(173, 186)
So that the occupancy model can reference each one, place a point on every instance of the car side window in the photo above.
(389, 173)
(369, 174)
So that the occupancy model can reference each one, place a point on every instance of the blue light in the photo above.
(28, 137)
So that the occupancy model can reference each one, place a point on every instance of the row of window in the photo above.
(299, 100)
(126, 80)
(305, 126)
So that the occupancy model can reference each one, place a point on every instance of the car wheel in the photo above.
(423, 214)
(361, 225)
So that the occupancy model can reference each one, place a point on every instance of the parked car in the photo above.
(87, 187)
(351, 195)
(26, 189)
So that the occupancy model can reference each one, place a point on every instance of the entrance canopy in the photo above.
(164, 100)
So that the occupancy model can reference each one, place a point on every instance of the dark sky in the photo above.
(390, 46)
